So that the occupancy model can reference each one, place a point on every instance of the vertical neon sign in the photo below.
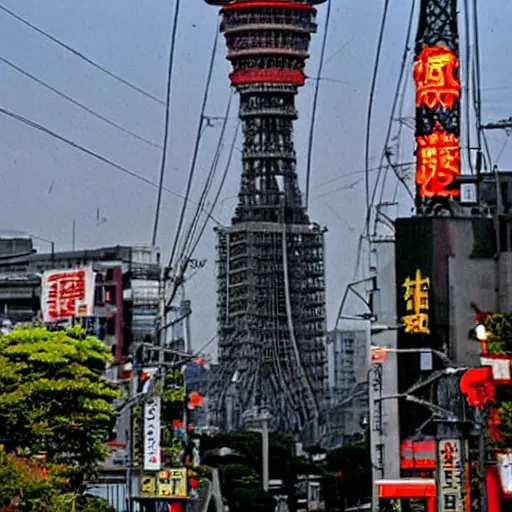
(436, 76)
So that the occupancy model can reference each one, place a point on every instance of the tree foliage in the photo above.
(354, 462)
(54, 399)
(173, 397)
(499, 329)
(499, 341)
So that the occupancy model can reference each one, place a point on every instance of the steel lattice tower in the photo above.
(271, 290)
(436, 74)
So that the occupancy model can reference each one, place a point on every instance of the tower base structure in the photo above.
(271, 325)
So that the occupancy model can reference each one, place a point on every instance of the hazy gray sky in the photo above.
(47, 184)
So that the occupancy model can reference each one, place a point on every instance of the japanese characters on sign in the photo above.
(167, 483)
(172, 483)
(418, 454)
(152, 459)
(437, 153)
(451, 476)
(435, 76)
(416, 296)
(438, 164)
(67, 293)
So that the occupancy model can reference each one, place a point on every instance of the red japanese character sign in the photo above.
(435, 76)
(67, 293)
(438, 164)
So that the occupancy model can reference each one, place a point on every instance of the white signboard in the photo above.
(67, 293)
(152, 459)
(451, 476)
(505, 469)
(500, 367)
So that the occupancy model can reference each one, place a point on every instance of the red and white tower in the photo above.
(271, 300)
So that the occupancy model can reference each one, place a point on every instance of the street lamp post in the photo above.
(52, 245)
(263, 429)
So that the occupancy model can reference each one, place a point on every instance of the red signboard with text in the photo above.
(67, 294)
(418, 454)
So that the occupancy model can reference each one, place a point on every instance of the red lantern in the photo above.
(193, 483)
(477, 385)
(194, 400)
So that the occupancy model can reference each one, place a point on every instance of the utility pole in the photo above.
(483, 419)
(265, 453)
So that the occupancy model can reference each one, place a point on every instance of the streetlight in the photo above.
(52, 244)
(263, 418)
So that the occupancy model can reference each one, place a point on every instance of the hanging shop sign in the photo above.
(167, 483)
(67, 294)
(152, 459)
(416, 296)
(451, 476)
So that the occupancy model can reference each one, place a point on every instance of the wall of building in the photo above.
(473, 285)
(348, 387)
(383, 377)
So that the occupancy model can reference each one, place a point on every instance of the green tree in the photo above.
(54, 399)
(354, 461)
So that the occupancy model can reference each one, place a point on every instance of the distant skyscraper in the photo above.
(271, 303)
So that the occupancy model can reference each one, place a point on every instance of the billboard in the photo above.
(152, 459)
(67, 294)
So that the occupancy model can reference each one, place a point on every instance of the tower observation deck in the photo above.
(271, 290)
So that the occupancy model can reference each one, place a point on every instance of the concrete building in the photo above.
(126, 288)
(348, 388)
(458, 266)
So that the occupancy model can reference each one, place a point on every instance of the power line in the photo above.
(467, 105)
(400, 130)
(196, 148)
(95, 155)
(81, 55)
(477, 86)
(369, 115)
(219, 190)
(353, 173)
(344, 187)
(166, 120)
(315, 102)
(209, 181)
(396, 100)
(75, 102)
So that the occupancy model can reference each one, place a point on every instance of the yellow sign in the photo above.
(148, 485)
(416, 304)
(168, 483)
(172, 483)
